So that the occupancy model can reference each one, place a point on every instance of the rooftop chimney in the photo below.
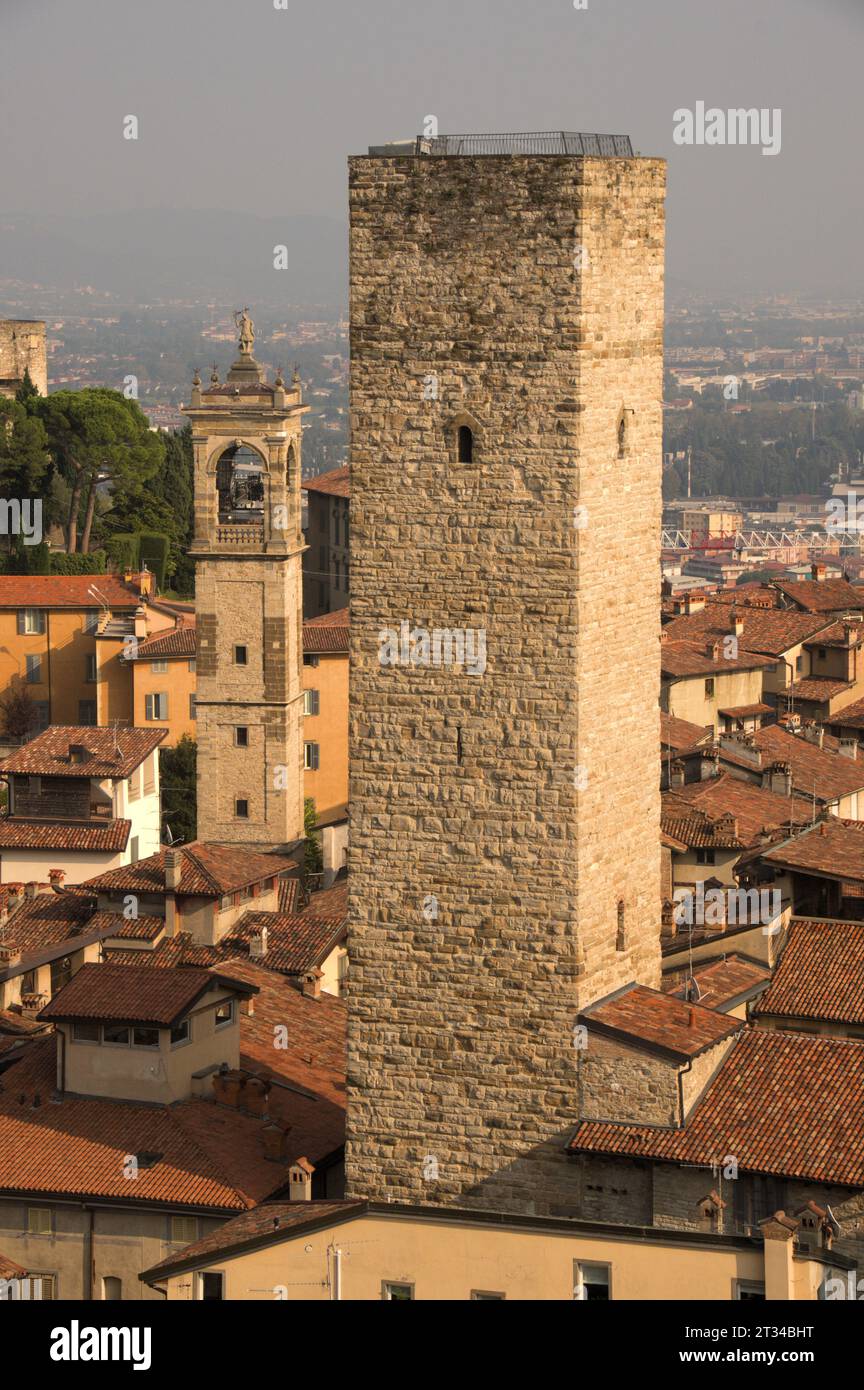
(32, 888)
(258, 945)
(10, 954)
(818, 573)
(312, 983)
(676, 774)
(16, 894)
(778, 779)
(173, 869)
(55, 878)
(300, 1181)
(849, 748)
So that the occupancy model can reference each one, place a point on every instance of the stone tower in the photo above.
(22, 349)
(506, 388)
(248, 549)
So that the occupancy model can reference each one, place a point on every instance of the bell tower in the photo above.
(248, 549)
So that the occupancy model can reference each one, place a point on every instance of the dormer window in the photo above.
(466, 444)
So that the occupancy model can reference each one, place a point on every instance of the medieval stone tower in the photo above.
(506, 385)
(248, 549)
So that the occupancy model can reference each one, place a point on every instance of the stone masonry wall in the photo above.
(22, 349)
(498, 819)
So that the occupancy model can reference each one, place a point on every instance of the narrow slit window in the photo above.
(466, 445)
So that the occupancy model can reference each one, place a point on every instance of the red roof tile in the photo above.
(754, 808)
(208, 870)
(722, 982)
(329, 633)
(680, 734)
(147, 995)
(822, 596)
(113, 752)
(295, 944)
(833, 848)
(66, 591)
(179, 642)
(649, 1018)
(336, 483)
(783, 1103)
(820, 974)
(110, 838)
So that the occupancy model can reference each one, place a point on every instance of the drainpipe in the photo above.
(89, 1272)
(336, 1294)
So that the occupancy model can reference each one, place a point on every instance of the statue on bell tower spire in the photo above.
(246, 329)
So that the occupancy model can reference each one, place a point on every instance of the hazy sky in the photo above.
(241, 104)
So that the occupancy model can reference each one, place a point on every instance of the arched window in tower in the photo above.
(466, 445)
(622, 436)
(240, 485)
(621, 939)
(291, 469)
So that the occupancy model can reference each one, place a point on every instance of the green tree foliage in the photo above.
(178, 786)
(98, 435)
(314, 860)
(176, 487)
(27, 559)
(94, 563)
(24, 460)
(768, 451)
(154, 550)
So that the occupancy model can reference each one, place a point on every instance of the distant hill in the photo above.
(156, 253)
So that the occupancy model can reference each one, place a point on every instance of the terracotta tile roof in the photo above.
(47, 919)
(313, 1063)
(276, 1219)
(79, 1147)
(754, 808)
(9, 1269)
(208, 870)
(820, 974)
(660, 1022)
(783, 1103)
(681, 659)
(295, 943)
(147, 995)
(331, 901)
(179, 642)
(115, 925)
(211, 1154)
(66, 591)
(329, 633)
(111, 837)
(113, 752)
(680, 734)
(816, 688)
(171, 951)
(723, 982)
(769, 631)
(15, 1025)
(826, 769)
(696, 829)
(849, 717)
(833, 848)
(289, 895)
(822, 596)
(336, 483)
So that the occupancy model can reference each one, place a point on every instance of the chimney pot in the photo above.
(32, 888)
